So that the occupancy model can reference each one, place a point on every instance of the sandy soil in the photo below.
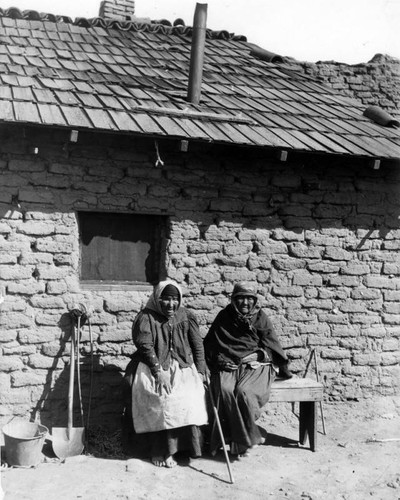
(357, 459)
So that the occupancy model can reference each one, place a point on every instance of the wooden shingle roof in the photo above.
(133, 78)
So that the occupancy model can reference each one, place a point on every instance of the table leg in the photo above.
(308, 423)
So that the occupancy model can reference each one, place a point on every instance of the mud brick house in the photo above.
(118, 168)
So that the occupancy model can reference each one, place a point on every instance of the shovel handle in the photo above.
(71, 380)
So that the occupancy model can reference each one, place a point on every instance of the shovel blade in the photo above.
(68, 442)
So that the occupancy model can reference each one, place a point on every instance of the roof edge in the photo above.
(139, 24)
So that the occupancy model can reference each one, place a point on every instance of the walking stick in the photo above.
(221, 435)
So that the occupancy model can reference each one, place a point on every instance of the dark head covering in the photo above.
(244, 289)
(170, 291)
(247, 290)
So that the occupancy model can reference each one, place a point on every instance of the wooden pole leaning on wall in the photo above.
(320, 403)
(313, 355)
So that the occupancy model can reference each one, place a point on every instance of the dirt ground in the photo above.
(357, 459)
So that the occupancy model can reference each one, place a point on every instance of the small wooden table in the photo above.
(307, 392)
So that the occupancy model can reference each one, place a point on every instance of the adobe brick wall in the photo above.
(376, 82)
(319, 237)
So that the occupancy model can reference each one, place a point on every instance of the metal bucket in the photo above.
(24, 442)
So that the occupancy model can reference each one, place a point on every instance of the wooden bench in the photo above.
(307, 392)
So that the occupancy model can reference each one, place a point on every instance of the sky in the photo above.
(348, 31)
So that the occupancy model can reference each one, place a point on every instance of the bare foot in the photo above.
(262, 441)
(170, 462)
(158, 461)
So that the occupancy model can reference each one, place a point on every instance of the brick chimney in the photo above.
(118, 10)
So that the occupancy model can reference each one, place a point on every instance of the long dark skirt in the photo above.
(161, 443)
(239, 396)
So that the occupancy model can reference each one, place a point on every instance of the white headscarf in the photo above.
(154, 300)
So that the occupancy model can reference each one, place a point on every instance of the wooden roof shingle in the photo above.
(133, 78)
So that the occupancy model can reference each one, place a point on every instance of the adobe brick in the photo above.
(391, 295)
(282, 234)
(40, 362)
(16, 348)
(355, 269)
(295, 223)
(286, 263)
(335, 353)
(270, 248)
(392, 308)
(5, 228)
(381, 282)
(122, 304)
(51, 245)
(10, 363)
(14, 320)
(115, 335)
(351, 306)
(391, 245)
(390, 358)
(365, 318)
(287, 291)
(345, 331)
(319, 329)
(27, 378)
(50, 272)
(368, 359)
(8, 335)
(391, 319)
(389, 268)
(26, 287)
(47, 319)
(345, 281)
(334, 253)
(15, 272)
(36, 196)
(366, 294)
(303, 278)
(339, 319)
(390, 345)
(26, 166)
(56, 287)
(303, 316)
(254, 262)
(316, 341)
(300, 250)
(29, 258)
(323, 267)
(15, 396)
(319, 240)
(353, 343)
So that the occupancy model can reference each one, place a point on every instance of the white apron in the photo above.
(185, 405)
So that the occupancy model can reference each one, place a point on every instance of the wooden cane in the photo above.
(221, 435)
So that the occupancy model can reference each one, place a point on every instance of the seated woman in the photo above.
(243, 354)
(166, 400)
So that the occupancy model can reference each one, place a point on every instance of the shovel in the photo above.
(69, 441)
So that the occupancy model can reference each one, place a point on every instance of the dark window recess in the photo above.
(121, 247)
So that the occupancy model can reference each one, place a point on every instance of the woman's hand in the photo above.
(163, 382)
(230, 367)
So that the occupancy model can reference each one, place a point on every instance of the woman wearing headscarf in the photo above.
(243, 354)
(167, 400)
